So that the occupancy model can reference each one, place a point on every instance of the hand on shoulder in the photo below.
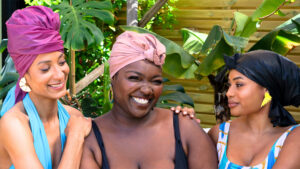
(78, 125)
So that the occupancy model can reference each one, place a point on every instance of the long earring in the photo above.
(23, 85)
(267, 99)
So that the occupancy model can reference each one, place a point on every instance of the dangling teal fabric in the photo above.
(9, 101)
(40, 142)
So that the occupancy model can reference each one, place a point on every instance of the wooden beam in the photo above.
(84, 82)
(151, 13)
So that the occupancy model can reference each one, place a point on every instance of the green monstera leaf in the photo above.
(78, 29)
(178, 63)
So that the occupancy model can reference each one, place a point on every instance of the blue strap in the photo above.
(40, 142)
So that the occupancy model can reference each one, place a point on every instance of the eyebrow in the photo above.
(47, 61)
(131, 71)
(236, 78)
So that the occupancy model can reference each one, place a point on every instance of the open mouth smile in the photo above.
(57, 86)
(141, 100)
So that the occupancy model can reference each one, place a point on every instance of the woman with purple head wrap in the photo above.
(264, 135)
(136, 134)
(37, 131)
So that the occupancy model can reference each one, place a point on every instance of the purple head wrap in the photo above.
(32, 31)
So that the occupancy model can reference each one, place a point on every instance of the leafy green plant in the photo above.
(164, 17)
(174, 95)
(78, 27)
(205, 52)
(42, 2)
(8, 74)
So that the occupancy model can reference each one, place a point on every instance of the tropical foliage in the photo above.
(8, 75)
(78, 27)
(202, 54)
(42, 2)
(164, 17)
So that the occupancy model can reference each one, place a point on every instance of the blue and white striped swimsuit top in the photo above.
(269, 161)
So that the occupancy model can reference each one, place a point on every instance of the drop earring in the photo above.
(267, 99)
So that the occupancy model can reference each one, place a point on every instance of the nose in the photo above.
(146, 89)
(230, 92)
(59, 72)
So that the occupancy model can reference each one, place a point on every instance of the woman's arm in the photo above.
(17, 139)
(202, 153)
(213, 133)
(77, 129)
(90, 152)
(290, 153)
(18, 142)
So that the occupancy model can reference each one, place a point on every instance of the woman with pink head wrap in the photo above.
(136, 134)
(34, 124)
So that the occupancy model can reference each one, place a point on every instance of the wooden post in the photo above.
(72, 75)
(132, 7)
(151, 13)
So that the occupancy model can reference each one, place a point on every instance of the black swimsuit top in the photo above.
(180, 157)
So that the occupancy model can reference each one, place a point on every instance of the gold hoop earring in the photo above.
(267, 99)
(23, 85)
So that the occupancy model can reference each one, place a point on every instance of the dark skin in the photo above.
(137, 135)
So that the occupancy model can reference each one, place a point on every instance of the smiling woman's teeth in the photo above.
(57, 85)
(140, 100)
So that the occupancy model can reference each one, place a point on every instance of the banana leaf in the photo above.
(282, 39)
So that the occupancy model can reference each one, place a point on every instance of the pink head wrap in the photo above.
(32, 31)
(131, 47)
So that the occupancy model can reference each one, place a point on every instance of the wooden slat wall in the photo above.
(202, 15)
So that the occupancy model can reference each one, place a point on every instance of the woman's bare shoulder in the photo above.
(72, 110)
(16, 113)
(289, 155)
(15, 125)
(214, 133)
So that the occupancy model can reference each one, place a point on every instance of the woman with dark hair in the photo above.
(36, 130)
(135, 134)
(264, 135)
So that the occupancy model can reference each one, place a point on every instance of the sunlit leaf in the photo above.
(3, 45)
(266, 8)
(192, 40)
(241, 20)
